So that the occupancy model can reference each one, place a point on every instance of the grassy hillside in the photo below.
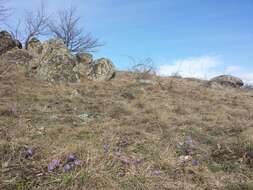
(173, 134)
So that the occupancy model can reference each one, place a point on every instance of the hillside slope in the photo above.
(173, 134)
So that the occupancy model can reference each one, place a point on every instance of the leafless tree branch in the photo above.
(36, 23)
(16, 30)
(67, 28)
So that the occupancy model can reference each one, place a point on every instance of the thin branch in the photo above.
(36, 23)
(67, 28)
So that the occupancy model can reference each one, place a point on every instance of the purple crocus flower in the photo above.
(106, 148)
(52, 165)
(28, 153)
(195, 162)
(71, 158)
(156, 172)
(78, 162)
(189, 140)
(66, 167)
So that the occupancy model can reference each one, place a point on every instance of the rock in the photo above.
(248, 158)
(18, 44)
(35, 46)
(55, 64)
(84, 58)
(16, 61)
(227, 81)
(101, 70)
(16, 56)
(7, 42)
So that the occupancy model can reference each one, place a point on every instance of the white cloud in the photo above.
(246, 77)
(204, 67)
(199, 67)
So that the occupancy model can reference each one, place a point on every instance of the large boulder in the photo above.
(7, 42)
(227, 81)
(15, 62)
(55, 64)
(101, 70)
(17, 57)
(84, 58)
(35, 46)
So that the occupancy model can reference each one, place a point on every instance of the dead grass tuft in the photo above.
(172, 134)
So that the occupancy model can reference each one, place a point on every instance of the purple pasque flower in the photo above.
(66, 167)
(55, 163)
(28, 153)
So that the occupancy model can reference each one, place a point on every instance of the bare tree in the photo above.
(15, 31)
(35, 23)
(67, 28)
(3, 10)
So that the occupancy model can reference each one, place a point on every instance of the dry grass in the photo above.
(129, 135)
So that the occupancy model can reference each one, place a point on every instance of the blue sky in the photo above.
(199, 38)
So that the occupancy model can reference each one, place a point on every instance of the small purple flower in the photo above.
(106, 148)
(195, 162)
(136, 162)
(66, 167)
(78, 162)
(71, 158)
(156, 172)
(28, 153)
(189, 141)
(52, 165)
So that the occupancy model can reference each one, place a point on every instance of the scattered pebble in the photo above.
(84, 116)
(184, 159)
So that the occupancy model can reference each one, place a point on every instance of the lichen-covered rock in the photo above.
(84, 58)
(7, 42)
(35, 46)
(101, 70)
(17, 56)
(15, 61)
(227, 81)
(55, 64)
(18, 44)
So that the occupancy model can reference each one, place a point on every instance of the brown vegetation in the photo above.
(173, 134)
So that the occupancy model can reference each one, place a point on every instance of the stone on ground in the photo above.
(101, 70)
(55, 64)
(7, 42)
(35, 46)
(84, 58)
(227, 81)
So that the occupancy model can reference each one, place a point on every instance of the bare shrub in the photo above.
(33, 24)
(68, 29)
(144, 69)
